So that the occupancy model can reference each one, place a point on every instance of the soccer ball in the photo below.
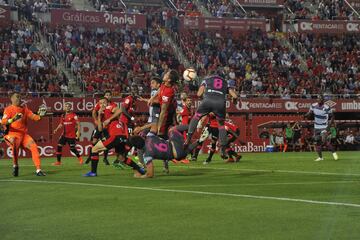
(189, 74)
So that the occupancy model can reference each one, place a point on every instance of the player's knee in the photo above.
(31, 145)
(11, 140)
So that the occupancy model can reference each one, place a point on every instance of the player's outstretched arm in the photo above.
(201, 91)
(137, 130)
(153, 99)
(116, 114)
(57, 128)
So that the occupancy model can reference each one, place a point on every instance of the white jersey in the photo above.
(321, 115)
(154, 111)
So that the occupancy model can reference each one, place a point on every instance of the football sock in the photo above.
(74, 150)
(58, 153)
(132, 164)
(211, 154)
(318, 150)
(106, 153)
(35, 155)
(192, 126)
(196, 152)
(94, 162)
(15, 156)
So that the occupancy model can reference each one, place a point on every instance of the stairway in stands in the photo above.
(45, 47)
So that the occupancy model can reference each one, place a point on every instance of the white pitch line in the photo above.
(275, 171)
(259, 184)
(192, 192)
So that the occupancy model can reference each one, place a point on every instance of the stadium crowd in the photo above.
(23, 67)
(321, 9)
(259, 64)
(332, 61)
(113, 60)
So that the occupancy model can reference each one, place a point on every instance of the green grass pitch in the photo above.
(265, 196)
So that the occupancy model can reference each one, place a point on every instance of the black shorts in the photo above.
(217, 105)
(63, 140)
(214, 132)
(321, 136)
(96, 134)
(118, 143)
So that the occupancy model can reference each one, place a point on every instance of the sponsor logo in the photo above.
(243, 105)
(125, 19)
(330, 103)
(350, 105)
(306, 26)
(2, 11)
(50, 151)
(165, 99)
(80, 17)
(289, 105)
(352, 27)
(250, 147)
(324, 25)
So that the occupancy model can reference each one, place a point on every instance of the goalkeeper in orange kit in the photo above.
(15, 119)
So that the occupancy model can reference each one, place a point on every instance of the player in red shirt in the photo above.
(127, 109)
(117, 139)
(233, 132)
(97, 134)
(166, 98)
(71, 124)
(213, 127)
(185, 112)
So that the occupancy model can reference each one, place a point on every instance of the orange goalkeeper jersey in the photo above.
(21, 124)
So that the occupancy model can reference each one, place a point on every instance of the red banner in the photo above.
(251, 105)
(217, 24)
(5, 18)
(110, 20)
(328, 26)
(261, 2)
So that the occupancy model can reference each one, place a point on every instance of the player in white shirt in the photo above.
(322, 116)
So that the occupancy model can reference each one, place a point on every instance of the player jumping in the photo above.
(214, 90)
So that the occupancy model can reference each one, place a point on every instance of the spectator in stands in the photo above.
(23, 67)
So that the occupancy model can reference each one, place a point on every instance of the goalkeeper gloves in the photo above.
(15, 118)
(42, 111)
